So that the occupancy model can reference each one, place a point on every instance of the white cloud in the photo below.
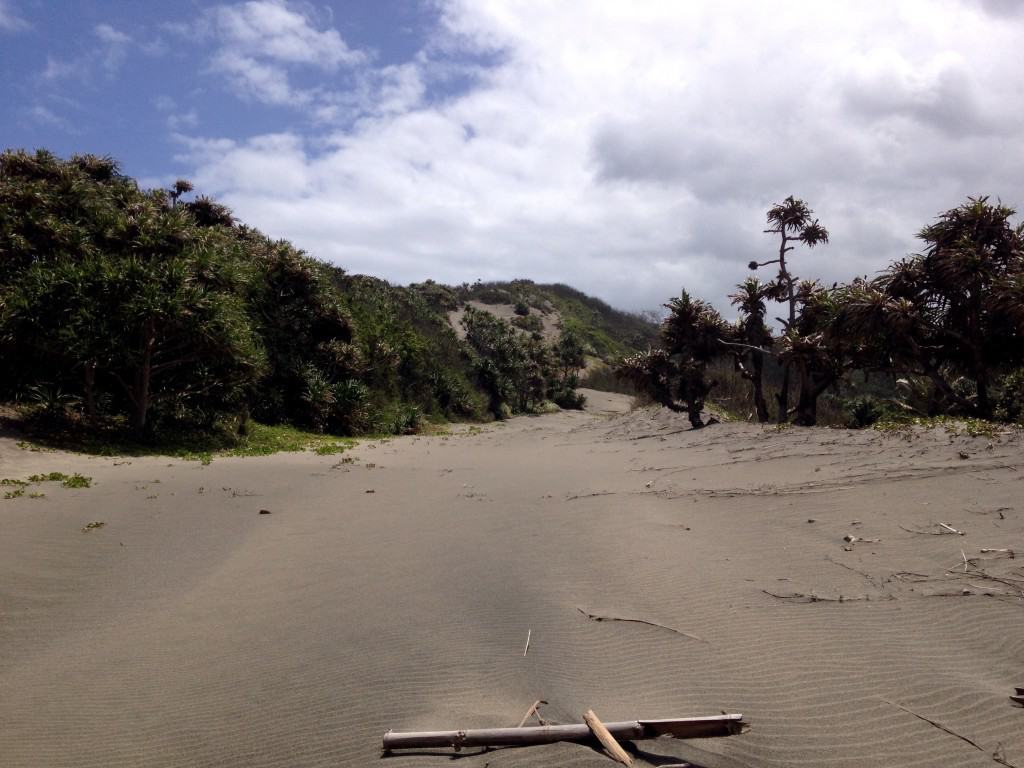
(258, 42)
(631, 149)
(10, 21)
(109, 35)
(109, 53)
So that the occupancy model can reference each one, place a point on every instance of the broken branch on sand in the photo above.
(991, 551)
(924, 533)
(994, 755)
(611, 746)
(527, 648)
(800, 597)
(868, 576)
(634, 730)
(595, 617)
(534, 710)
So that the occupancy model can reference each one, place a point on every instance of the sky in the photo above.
(629, 148)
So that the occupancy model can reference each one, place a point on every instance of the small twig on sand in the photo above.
(996, 756)
(595, 617)
(813, 598)
(660, 434)
(951, 529)
(527, 648)
(589, 495)
(533, 711)
(868, 576)
(924, 533)
(989, 550)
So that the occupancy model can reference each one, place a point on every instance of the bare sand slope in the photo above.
(192, 631)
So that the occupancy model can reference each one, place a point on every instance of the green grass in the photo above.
(953, 425)
(263, 440)
(68, 481)
(77, 481)
(260, 440)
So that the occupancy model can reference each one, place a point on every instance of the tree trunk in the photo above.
(89, 374)
(807, 404)
(783, 397)
(757, 380)
(143, 375)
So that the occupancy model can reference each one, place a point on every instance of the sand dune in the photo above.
(397, 590)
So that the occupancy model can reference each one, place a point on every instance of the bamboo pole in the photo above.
(680, 728)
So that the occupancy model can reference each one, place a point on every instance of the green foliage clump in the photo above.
(1010, 404)
(530, 323)
(675, 375)
(77, 481)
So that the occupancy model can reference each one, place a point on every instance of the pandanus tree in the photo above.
(792, 221)
(953, 312)
(753, 338)
(676, 375)
(102, 278)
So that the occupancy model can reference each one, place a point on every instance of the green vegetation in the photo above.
(604, 332)
(937, 334)
(75, 480)
(134, 321)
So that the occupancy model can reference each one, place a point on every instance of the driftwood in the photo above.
(996, 756)
(611, 746)
(534, 710)
(633, 730)
(595, 617)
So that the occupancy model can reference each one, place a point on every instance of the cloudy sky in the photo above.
(627, 147)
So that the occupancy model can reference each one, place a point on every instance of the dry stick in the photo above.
(527, 648)
(867, 576)
(924, 533)
(595, 617)
(951, 529)
(589, 495)
(659, 434)
(532, 711)
(612, 747)
(951, 732)
(813, 598)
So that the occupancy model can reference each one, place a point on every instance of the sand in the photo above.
(397, 591)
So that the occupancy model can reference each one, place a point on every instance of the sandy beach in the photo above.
(393, 586)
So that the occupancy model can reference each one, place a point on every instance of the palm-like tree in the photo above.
(792, 221)
(956, 308)
(751, 299)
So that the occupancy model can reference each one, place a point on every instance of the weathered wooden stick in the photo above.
(612, 747)
(527, 648)
(680, 728)
(532, 711)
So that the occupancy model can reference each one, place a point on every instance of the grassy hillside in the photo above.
(606, 333)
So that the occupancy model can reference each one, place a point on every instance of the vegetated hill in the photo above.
(132, 311)
(606, 333)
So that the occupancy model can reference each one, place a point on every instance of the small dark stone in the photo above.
(264, 511)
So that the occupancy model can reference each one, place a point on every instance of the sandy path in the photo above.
(190, 630)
